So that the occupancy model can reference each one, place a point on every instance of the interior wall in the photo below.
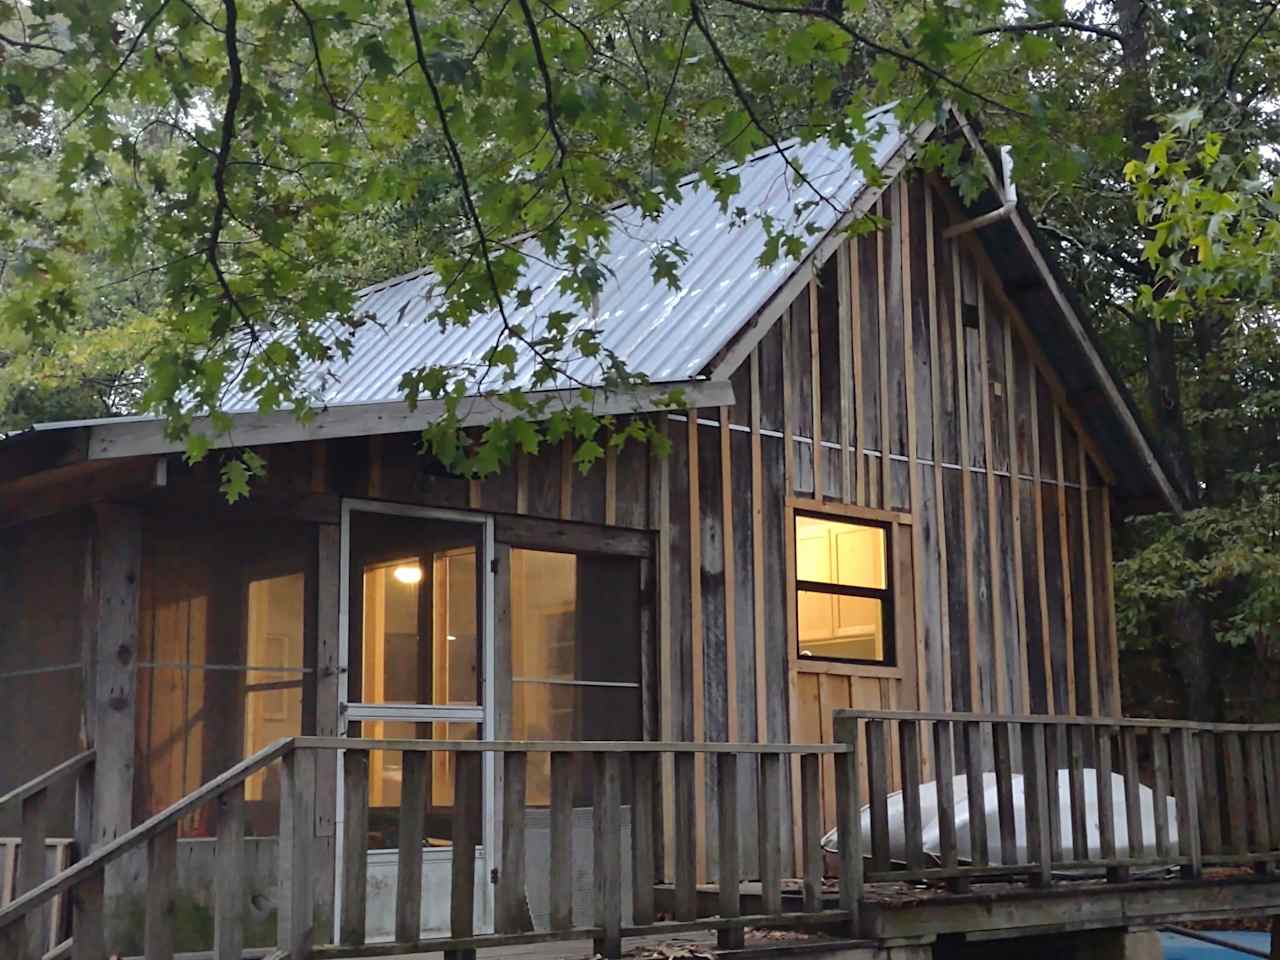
(41, 592)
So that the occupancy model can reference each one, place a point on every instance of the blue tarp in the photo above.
(1182, 948)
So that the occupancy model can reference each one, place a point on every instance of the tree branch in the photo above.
(1041, 26)
(223, 157)
(115, 72)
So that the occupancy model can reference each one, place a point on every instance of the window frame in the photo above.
(884, 595)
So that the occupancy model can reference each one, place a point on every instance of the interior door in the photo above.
(416, 609)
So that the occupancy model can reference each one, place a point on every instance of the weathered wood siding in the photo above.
(900, 383)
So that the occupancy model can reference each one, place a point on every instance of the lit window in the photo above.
(842, 590)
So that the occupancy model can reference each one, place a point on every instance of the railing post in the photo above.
(1106, 801)
(607, 843)
(848, 827)
(562, 841)
(1075, 786)
(1187, 778)
(162, 880)
(414, 766)
(975, 787)
(1038, 779)
(1211, 791)
(31, 869)
(730, 938)
(686, 905)
(1160, 763)
(88, 939)
(512, 901)
(467, 801)
(1233, 774)
(1132, 795)
(228, 877)
(912, 825)
(811, 830)
(355, 845)
(644, 771)
(295, 918)
(1258, 815)
(769, 818)
(878, 790)
(944, 753)
(1002, 747)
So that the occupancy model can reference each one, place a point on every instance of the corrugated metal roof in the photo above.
(667, 335)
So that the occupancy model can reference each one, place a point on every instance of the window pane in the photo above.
(272, 696)
(386, 776)
(415, 586)
(839, 627)
(835, 551)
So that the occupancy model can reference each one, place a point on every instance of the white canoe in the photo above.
(960, 788)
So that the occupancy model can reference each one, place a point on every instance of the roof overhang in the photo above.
(60, 444)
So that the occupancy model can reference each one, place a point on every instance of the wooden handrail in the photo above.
(563, 746)
(47, 779)
(1060, 720)
(20, 906)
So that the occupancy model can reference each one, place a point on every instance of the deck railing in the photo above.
(1069, 793)
(1224, 781)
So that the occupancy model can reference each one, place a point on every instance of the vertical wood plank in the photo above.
(610, 485)
(686, 866)
(729, 938)
(844, 300)
(88, 930)
(1272, 771)
(883, 340)
(162, 882)
(974, 786)
(1160, 789)
(878, 787)
(993, 514)
(1091, 658)
(1015, 501)
(468, 800)
(698, 681)
(935, 368)
(811, 818)
(228, 877)
(295, 917)
(606, 826)
(1053, 747)
(848, 825)
(1132, 794)
(859, 405)
(770, 832)
(1002, 737)
(414, 768)
(1106, 799)
(1211, 790)
(1046, 639)
(944, 758)
(1186, 786)
(815, 394)
(1075, 787)
(730, 579)
(762, 673)
(1260, 823)
(1109, 598)
(355, 845)
(34, 814)
(966, 483)
(643, 836)
(1038, 779)
(1065, 559)
(1233, 784)
(511, 900)
(566, 478)
(912, 824)
(561, 877)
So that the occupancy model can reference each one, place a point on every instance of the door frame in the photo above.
(483, 714)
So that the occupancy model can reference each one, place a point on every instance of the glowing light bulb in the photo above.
(408, 573)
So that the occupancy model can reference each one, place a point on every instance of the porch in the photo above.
(1044, 867)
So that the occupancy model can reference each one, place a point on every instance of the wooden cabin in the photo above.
(894, 489)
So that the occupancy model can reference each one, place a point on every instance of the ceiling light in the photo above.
(408, 573)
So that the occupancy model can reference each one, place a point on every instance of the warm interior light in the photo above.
(408, 573)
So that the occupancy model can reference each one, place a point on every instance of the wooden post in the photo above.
(975, 787)
(644, 837)
(467, 801)
(1132, 794)
(811, 830)
(562, 841)
(730, 938)
(607, 843)
(295, 918)
(1260, 822)
(355, 846)
(228, 877)
(1038, 780)
(1160, 762)
(878, 789)
(1211, 790)
(769, 817)
(912, 825)
(31, 868)
(1187, 782)
(512, 901)
(848, 825)
(945, 763)
(89, 940)
(1106, 801)
(162, 882)
(686, 903)
(413, 822)
(1075, 787)
(117, 570)
(1002, 743)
